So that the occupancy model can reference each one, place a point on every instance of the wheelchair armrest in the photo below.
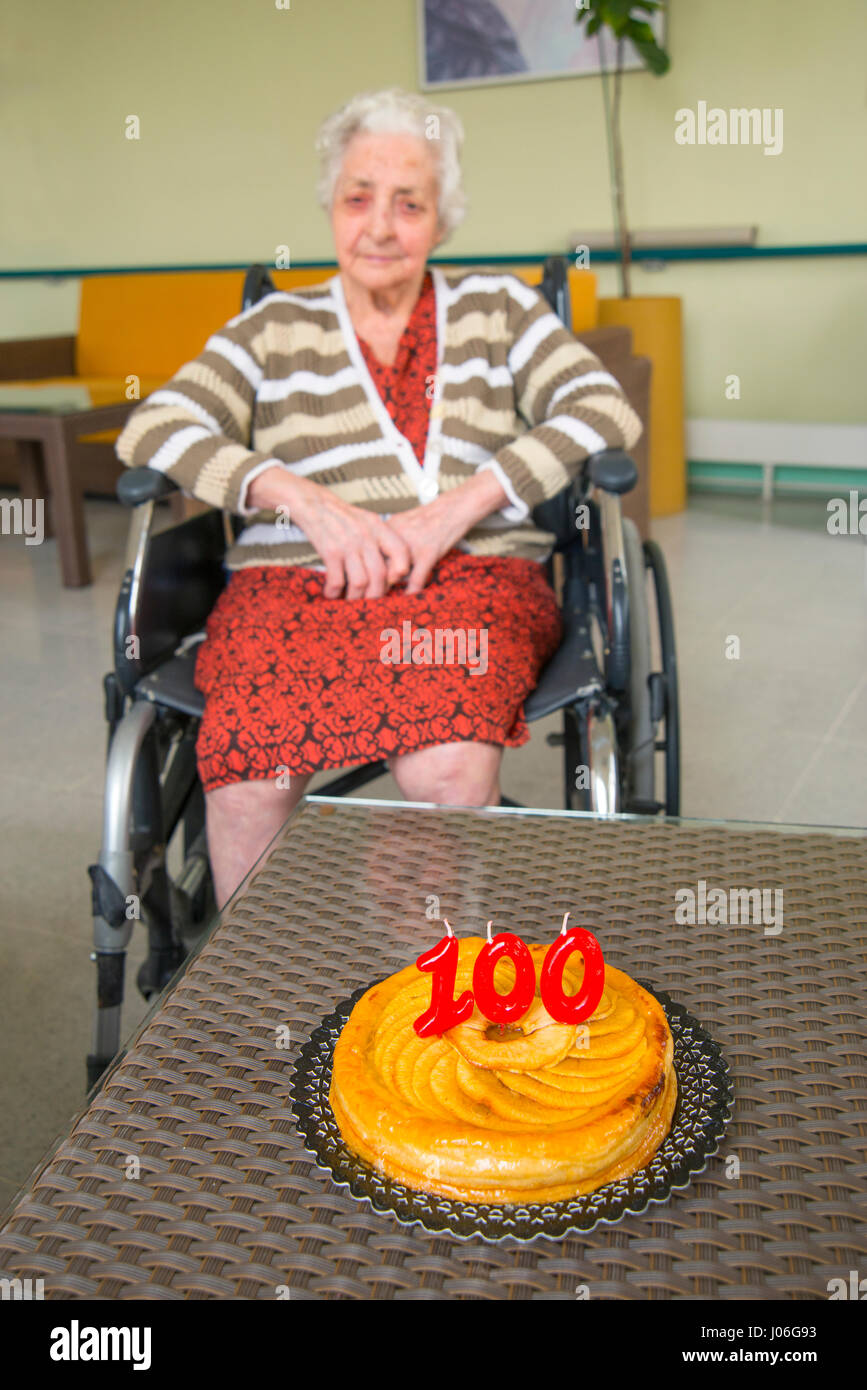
(612, 470)
(139, 485)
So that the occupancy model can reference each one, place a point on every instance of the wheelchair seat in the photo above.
(172, 683)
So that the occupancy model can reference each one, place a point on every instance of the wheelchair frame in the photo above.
(612, 702)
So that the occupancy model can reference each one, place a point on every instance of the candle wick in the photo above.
(565, 920)
(490, 939)
(447, 927)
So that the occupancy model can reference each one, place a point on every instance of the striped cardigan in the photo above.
(285, 383)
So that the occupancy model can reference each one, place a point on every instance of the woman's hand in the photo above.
(431, 530)
(362, 553)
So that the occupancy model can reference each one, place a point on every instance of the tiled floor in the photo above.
(780, 733)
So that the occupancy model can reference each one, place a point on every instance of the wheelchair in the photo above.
(613, 679)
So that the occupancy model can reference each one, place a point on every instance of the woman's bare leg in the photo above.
(450, 774)
(242, 820)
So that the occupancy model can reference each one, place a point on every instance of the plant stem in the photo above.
(625, 249)
(609, 141)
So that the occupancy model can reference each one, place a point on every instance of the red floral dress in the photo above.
(296, 682)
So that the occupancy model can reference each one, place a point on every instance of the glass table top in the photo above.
(359, 804)
(370, 839)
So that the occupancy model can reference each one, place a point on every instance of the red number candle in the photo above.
(573, 1008)
(445, 1011)
(504, 1008)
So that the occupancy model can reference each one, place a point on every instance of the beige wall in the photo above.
(230, 93)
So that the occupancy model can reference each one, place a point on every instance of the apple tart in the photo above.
(539, 1111)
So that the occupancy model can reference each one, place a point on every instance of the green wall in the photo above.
(230, 93)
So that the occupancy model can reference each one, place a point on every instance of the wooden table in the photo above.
(46, 424)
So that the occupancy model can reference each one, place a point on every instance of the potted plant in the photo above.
(655, 320)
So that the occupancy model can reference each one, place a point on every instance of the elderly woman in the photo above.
(385, 435)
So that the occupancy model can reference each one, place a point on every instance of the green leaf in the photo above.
(591, 18)
(653, 57)
(622, 19)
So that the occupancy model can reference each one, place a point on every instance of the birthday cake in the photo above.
(536, 1111)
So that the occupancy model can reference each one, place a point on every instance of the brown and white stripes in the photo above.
(285, 382)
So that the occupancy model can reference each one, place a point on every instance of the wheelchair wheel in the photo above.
(665, 704)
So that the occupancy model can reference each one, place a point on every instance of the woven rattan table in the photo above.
(228, 1203)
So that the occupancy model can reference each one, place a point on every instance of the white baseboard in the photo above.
(778, 442)
(773, 443)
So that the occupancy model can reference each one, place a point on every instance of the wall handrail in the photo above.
(654, 255)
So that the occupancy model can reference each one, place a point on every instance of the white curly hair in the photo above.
(394, 111)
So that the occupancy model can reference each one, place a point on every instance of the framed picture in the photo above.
(470, 43)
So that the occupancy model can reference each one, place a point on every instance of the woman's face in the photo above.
(384, 215)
